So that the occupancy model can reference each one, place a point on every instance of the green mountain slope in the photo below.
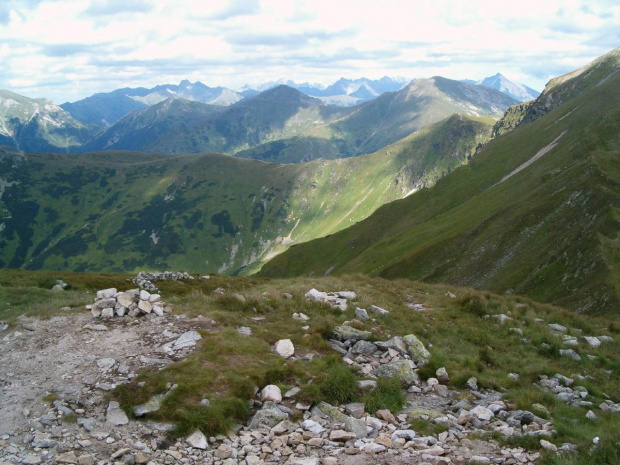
(204, 212)
(536, 212)
(38, 125)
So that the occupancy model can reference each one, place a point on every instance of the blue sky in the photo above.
(69, 49)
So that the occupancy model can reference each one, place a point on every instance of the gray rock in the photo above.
(145, 306)
(364, 348)
(594, 342)
(379, 311)
(244, 330)
(442, 375)
(187, 339)
(312, 426)
(556, 328)
(105, 303)
(349, 295)
(88, 424)
(396, 343)
(571, 354)
(361, 314)
(151, 405)
(367, 384)
(316, 295)
(345, 333)
(115, 415)
(355, 409)
(356, 426)
(197, 440)
(107, 313)
(417, 351)
(403, 370)
(270, 415)
(106, 293)
(125, 299)
(106, 363)
(407, 434)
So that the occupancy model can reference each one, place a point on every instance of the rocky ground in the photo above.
(54, 375)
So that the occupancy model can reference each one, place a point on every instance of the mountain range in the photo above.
(284, 125)
(535, 212)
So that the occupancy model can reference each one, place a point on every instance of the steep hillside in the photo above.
(536, 212)
(38, 125)
(151, 129)
(204, 212)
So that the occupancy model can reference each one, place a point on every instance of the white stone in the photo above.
(197, 440)
(271, 392)
(145, 306)
(482, 413)
(316, 295)
(379, 311)
(106, 363)
(312, 426)
(144, 295)
(106, 293)
(548, 445)
(154, 298)
(107, 313)
(285, 348)
(593, 341)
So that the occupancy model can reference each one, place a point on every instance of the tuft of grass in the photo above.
(339, 385)
(387, 395)
(474, 304)
(426, 428)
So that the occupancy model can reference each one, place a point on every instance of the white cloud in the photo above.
(69, 49)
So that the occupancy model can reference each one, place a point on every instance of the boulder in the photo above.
(188, 339)
(417, 351)
(270, 415)
(364, 348)
(312, 426)
(124, 299)
(349, 295)
(361, 314)
(442, 375)
(272, 393)
(115, 415)
(197, 440)
(145, 306)
(403, 370)
(344, 333)
(316, 295)
(106, 293)
(379, 311)
(284, 348)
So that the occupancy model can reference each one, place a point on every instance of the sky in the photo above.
(66, 50)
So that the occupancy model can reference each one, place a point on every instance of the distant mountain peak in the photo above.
(500, 82)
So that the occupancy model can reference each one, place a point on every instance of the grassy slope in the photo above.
(123, 211)
(226, 367)
(550, 231)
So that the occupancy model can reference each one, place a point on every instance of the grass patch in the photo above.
(426, 428)
(387, 395)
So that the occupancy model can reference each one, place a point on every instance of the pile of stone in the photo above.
(145, 280)
(334, 299)
(134, 302)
